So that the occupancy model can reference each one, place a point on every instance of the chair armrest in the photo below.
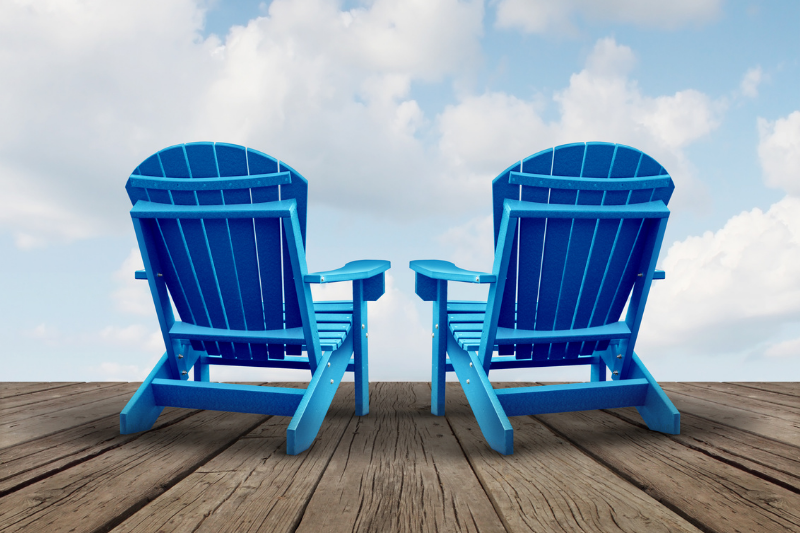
(140, 274)
(659, 274)
(446, 270)
(351, 271)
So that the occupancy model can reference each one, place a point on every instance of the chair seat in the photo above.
(466, 327)
(333, 329)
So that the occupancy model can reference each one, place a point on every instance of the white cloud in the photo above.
(731, 291)
(785, 349)
(481, 135)
(540, 16)
(93, 88)
(750, 82)
(133, 295)
(779, 152)
(471, 245)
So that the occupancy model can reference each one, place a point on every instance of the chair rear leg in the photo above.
(482, 399)
(658, 412)
(317, 399)
(141, 411)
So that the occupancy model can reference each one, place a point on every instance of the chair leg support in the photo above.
(598, 370)
(360, 348)
(658, 411)
(317, 399)
(488, 412)
(141, 411)
(440, 330)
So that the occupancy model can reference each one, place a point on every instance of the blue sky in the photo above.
(400, 113)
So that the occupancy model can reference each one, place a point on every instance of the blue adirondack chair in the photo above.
(577, 232)
(222, 230)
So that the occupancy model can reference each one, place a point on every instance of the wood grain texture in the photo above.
(17, 388)
(775, 461)
(790, 388)
(762, 418)
(251, 486)
(104, 490)
(745, 394)
(399, 469)
(714, 495)
(71, 393)
(550, 485)
(24, 463)
(28, 422)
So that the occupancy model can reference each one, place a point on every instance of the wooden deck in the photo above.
(65, 467)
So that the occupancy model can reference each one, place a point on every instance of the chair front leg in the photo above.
(360, 348)
(439, 329)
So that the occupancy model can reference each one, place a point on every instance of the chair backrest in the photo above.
(569, 274)
(225, 273)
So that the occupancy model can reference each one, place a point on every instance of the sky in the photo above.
(399, 114)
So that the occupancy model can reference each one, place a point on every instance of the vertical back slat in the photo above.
(216, 232)
(232, 161)
(208, 262)
(629, 228)
(297, 189)
(567, 161)
(503, 190)
(531, 241)
(268, 241)
(575, 274)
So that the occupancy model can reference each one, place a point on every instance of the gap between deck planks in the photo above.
(579, 471)
(715, 495)
(550, 485)
(399, 469)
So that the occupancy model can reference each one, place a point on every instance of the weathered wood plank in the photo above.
(69, 394)
(791, 388)
(710, 493)
(775, 461)
(26, 423)
(100, 493)
(9, 389)
(743, 395)
(35, 460)
(399, 469)
(251, 486)
(550, 485)
(761, 418)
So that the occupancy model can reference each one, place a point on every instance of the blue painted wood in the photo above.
(351, 271)
(589, 184)
(309, 415)
(282, 401)
(502, 263)
(591, 218)
(658, 412)
(446, 270)
(142, 410)
(361, 346)
(488, 411)
(503, 189)
(268, 242)
(222, 232)
(572, 397)
(298, 190)
(439, 347)
(531, 243)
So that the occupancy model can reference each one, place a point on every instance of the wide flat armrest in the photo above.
(436, 269)
(659, 274)
(351, 271)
